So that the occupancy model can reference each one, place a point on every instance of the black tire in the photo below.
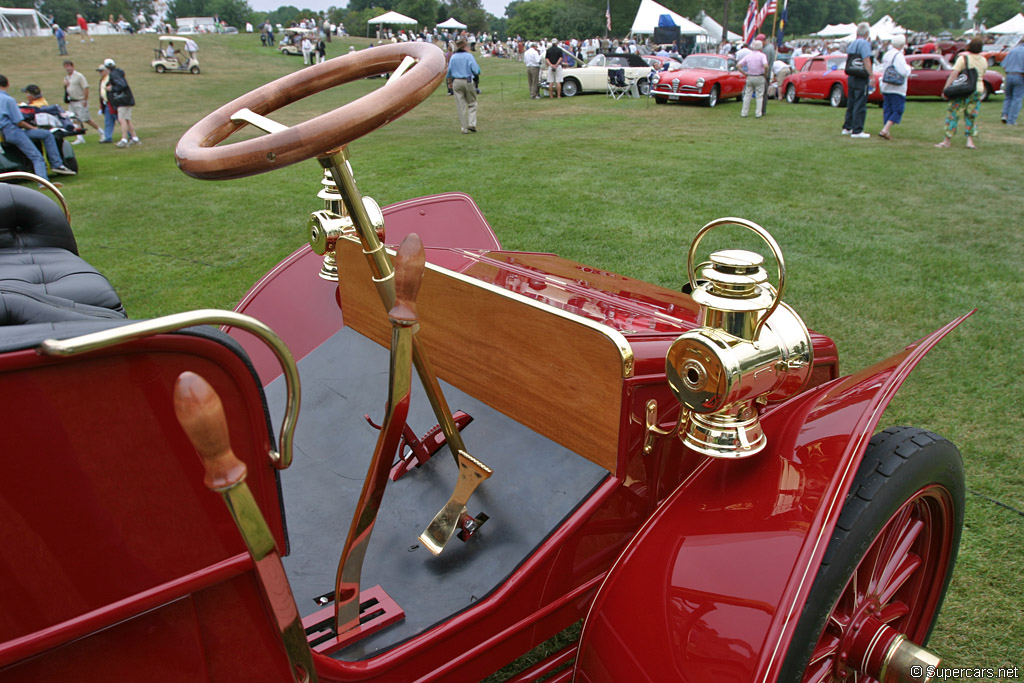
(905, 471)
(160, 68)
(791, 94)
(570, 87)
(644, 87)
(836, 97)
(713, 96)
(661, 100)
(194, 69)
(68, 153)
(988, 92)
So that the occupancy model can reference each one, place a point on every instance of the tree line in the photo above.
(534, 19)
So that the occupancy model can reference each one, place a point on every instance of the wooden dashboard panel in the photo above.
(553, 372)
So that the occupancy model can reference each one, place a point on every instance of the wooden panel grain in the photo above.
(553, 373)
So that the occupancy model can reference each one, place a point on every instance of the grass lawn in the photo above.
(884, 241)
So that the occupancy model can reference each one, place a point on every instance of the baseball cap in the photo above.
(101, 67)
(32, 90)
(109, 63)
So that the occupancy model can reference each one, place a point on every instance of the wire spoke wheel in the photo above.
(887, 567)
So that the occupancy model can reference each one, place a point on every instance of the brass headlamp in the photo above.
(751, 347)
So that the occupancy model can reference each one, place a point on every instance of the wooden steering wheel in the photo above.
(199, 156)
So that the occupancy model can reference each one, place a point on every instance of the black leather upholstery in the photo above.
(42, 278)
(30, 219)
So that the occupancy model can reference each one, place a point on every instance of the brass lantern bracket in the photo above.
(651, 429)
(691, 269)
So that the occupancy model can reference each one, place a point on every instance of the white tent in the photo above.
(1012, 25)
(714, 30)
(884, 29)
(392, 18)
(647, 19)
(836, 30)
(452, 23)
(22, 22)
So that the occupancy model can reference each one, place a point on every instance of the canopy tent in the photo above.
(1012, 25)
(650, 12)
(714, 30)
(883, 29)
(452, 23)
(22, 22)
(392, 18)
(836, 31)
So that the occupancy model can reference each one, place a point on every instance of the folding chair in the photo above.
(617, 83)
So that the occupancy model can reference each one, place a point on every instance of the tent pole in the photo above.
(725, 21)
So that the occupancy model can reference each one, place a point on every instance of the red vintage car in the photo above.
(929, 73)
(824, 78)
(710, 78)
(686, 470)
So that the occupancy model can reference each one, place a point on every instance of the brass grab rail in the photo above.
(169, 323)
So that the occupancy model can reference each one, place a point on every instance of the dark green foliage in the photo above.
(921, 15)
(992, 12)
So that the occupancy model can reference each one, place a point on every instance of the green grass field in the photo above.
(884, 241)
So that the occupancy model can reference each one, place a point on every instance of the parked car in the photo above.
(824, 78)
(703, 76)
(929, 73)
(997, 50)
(688, 472)
(593, 76)
(170, 56)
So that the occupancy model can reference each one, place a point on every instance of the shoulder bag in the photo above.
(965, 83)
(891, 75)
(855, 66)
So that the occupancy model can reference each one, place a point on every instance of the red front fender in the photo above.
(712, 587)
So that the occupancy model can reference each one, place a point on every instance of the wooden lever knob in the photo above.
(201, 414)
(409, 265)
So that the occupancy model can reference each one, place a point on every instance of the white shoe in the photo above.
(62, 170)
(860, 136)
(135, 141)
(846, 131)
(123, 143)
(80, 140)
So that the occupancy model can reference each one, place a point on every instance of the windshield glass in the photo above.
(704, 62)
(598, 60)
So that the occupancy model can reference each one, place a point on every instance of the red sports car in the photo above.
(929, 74)
(824, 78)
(703, 76)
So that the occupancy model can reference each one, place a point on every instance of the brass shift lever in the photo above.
(409, 265)
(201, 414)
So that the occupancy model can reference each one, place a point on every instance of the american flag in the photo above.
(608, 15)
(748, 22)
(769, 8)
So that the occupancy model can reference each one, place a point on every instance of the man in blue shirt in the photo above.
(461, 70)
(857, 86)
(1013, 87)
(20, 133)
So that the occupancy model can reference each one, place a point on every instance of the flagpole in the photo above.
(775, 21)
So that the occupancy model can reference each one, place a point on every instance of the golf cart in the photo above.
(685, 470)
(291, 41)
(172, 57)
(61, 123)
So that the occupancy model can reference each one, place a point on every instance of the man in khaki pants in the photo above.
(462, 69)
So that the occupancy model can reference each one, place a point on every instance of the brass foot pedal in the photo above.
(377, 610)
(453, 515)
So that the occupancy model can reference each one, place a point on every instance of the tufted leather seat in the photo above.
(42, 278)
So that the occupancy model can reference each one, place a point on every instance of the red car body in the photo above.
(703, 77)
(119, 562)
(823, 78)
(929, 73)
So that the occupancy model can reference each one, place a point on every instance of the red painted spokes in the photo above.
(898, 582)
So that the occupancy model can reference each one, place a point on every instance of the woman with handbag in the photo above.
(893, 84)
(964, 90)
